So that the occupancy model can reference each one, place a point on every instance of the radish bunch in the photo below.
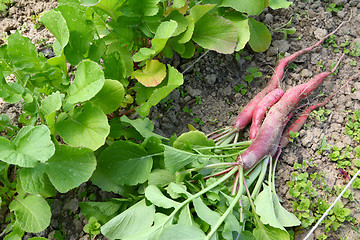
(270, 111)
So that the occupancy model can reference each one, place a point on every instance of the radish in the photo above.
(300, 121)
(271, 130)
(246, 113)
(259, 113)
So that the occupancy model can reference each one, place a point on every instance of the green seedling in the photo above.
(352, 127)
(4, 6)
(254, 73)
(333, 7)
(198, 121)
(285, 29)
(93, 227)
(198, 100)
(321, 114)
(186, 109)
(240, 89)
(353, 62)
(293, 135)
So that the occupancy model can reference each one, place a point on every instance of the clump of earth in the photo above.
(211, 97)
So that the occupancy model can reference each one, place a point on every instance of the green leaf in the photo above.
(24, 54)
(32, 212)
(181, 232)
(31, 145)
(81, 32)
(125, 163)
(156, 197)
(152, 74)
(10, 92)
(176, 159)
(271, 212)
(102, 211)
(32, 180)
(205, 213)
(85, 126)
(254, 7)
(276, 4)
(56, 24)
(89, 79)
(215, 33)
(187, 141)
(178, 3)
(110, 96)
(163, 33)
(185, 216)
(198, 11)
(265, 232)
(118, 65)
(143, 54)
(134, 220)
(182, 22)
(242, 26)
(174, 80)
(144, 126)
(186, 36)
(140, 8)
(51, 103)
(161, 177)
(260, 37)
(69, 167)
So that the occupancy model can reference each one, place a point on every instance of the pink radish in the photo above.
(270, 132)
(259, 113)
(246, 113)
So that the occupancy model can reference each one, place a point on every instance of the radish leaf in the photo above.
(254, 7)
(180, 232)
(89, 79)
(85, 126)
(260, 37)
(69, 167)
(137, 219)
(31, 145)
(56, 24)
(32, 212)
(125, 163)
(23, 54)
(152, 74)
(215, 33)
(110, 96)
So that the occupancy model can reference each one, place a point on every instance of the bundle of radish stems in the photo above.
(270, 113)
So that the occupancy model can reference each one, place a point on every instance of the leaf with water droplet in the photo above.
(69, 167)
(85, 126)
(31, 145)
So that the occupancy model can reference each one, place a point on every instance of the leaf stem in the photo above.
(231, 206)
(215, 165)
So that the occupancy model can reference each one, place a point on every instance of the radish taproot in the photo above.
(245, 115)
(270, 132)
(259, 113)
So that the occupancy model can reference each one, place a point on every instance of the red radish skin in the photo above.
(259, 113)
(271, 130)
(245, 115)
(300, 121)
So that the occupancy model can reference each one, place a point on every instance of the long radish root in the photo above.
(270, 133)
(269, 100)
(245, 116)
(300, 121)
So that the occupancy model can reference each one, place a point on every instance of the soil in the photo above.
(208, 93)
